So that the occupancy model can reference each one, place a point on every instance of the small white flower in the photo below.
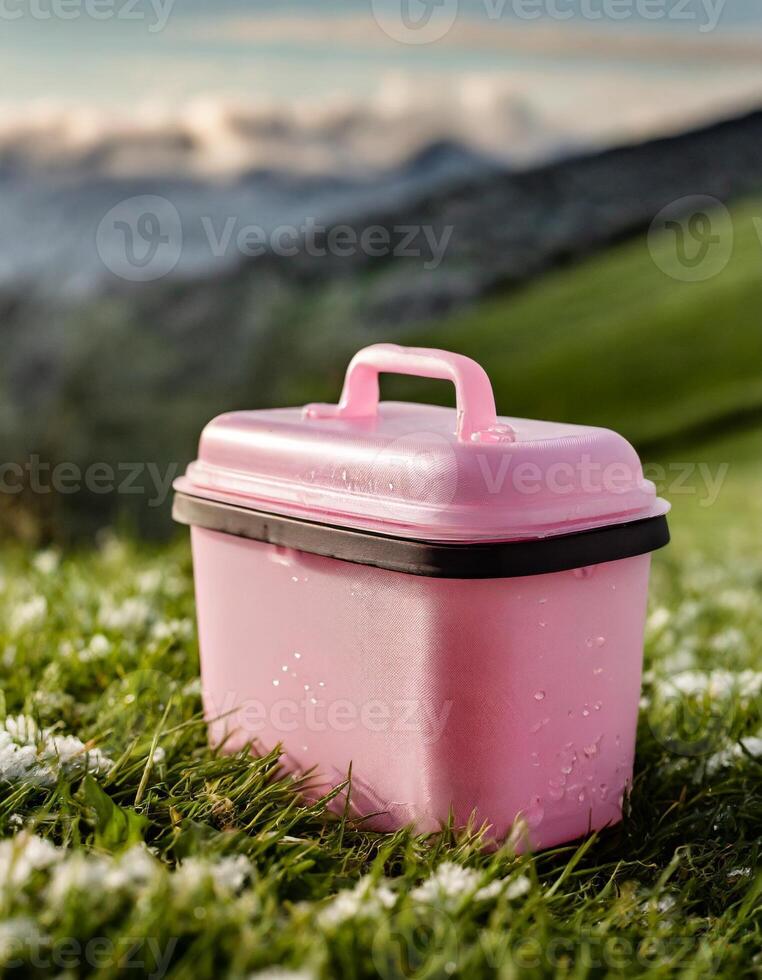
(751, 745)
(46, 562)
(78, 872)
(718, 683)
(730, 640)
(133, 614)
(231, 873)
(658, 619)
(134, 868)
(149, 580)
(518, 887)
(228, 875)
(665, 903)
(365, 901)
(15, 935)
(169, 629)
(512, 888)
(739, 873)
(22, 855)
(29, 614)
(99, 645)
(31, 754)
(449, 882)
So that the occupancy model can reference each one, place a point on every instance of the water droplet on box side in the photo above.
(556, 790)
(539, 695)
(535, 812)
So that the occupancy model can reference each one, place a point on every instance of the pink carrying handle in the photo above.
(476, 414)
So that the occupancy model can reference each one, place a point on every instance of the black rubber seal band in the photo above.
(504, 559)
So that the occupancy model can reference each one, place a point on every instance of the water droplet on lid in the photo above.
(321, 684)
(597, 670)
(598, 705)
(294, 578)
(276, 683)
(284, 668)
(535, 759)
(543, 624)
(542, 601)
(581, 796)
(591, 750)
(298, 656)
(313, 700)
(600, 641)
(585, 712)
(539, 695)
(306, 687)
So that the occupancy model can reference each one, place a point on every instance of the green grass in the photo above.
(201, 865)
(240, 874)
(610, 341)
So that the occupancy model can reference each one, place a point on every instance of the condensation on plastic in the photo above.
(507, 697)
(422, 471)
(510, 698)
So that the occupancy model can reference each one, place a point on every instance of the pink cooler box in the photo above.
(451, 602)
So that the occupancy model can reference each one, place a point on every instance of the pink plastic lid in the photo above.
(422, 471)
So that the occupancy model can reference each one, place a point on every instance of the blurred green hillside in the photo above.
(611, 341)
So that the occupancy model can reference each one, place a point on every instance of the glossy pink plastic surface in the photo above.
(512, 697)
(516, 698)
(422, 471)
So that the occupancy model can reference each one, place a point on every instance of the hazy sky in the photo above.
(289, 48)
